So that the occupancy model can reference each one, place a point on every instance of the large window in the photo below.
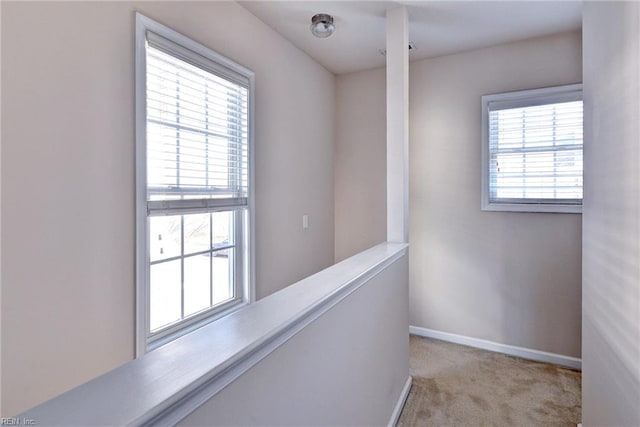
(193, 184)
(532, 150)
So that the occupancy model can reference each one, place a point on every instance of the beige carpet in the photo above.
(454, 385)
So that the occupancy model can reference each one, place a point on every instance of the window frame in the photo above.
(519, 99)
(145, 340)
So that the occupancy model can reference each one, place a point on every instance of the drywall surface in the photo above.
(347, 367)
(611, 224)
(360, 162)
(397, 70)
(68, 177)
(511, 278)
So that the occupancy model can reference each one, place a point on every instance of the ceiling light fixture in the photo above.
(322, 25)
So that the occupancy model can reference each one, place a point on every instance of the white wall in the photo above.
(611, 225)
(360, 162)
(68, 177)
(467, 270)
(511, 278)
(347, 367)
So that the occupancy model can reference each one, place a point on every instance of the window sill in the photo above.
(531, 208)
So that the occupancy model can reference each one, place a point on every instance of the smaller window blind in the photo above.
(535, 152)
(197, 131)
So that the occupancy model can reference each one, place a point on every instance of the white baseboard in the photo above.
(525, 353)
(397, 410)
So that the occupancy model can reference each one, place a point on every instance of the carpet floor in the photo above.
(455, 385)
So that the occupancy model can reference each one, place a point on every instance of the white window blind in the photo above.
(196, 132)
(534, 148)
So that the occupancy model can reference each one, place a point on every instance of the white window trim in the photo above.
(144, 24)
(517, 99)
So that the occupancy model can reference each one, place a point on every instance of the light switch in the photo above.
(305, 221)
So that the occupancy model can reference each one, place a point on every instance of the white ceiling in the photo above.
(436, 27)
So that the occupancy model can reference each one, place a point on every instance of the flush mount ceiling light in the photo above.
(322, 25)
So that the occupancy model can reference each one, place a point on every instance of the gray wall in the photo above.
(611, 224)
(512, 278)
(68, 177)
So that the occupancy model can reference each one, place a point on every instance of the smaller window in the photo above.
(532, 150)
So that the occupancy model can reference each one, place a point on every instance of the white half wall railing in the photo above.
(331, 349)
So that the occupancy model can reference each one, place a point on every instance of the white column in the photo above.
(397, 125)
